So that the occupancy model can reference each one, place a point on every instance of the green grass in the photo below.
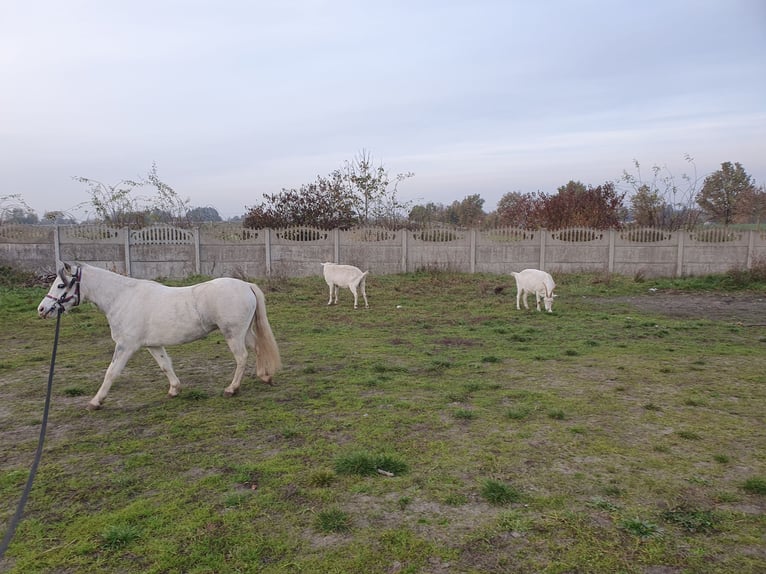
(598, 438)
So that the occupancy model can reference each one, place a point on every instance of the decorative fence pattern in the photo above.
(221, 249)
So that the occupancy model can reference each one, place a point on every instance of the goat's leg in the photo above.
(331, 291)
(364, 294)
(537, 299)
(119, 359)
(166, 366)
(352, 288)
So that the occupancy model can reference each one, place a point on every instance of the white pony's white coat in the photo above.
(534, 281)
(344, 276)
(147, 314)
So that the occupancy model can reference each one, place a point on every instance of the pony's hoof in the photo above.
(228, 393)
(92, 407)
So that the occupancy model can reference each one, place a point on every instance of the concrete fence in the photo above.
(221, 249)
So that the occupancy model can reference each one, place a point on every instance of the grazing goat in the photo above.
(344, 276)
(535, 281)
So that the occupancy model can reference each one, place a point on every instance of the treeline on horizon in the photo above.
(362, 193)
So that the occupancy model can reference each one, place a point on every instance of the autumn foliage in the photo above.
(574, 205)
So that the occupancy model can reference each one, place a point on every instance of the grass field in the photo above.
(439, 431)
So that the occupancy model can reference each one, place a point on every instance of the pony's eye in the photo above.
(62, 285)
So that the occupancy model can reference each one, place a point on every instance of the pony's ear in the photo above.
(64, 269)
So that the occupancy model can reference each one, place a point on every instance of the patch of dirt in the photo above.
(745, 308)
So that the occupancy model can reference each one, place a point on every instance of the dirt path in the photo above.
(745, 308)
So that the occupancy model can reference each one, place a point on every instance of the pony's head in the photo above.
(64, 292)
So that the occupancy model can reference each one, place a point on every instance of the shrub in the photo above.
(333, 520)
(364, 464)
(119, 535)
(641, 528)
(499, 493)
(691, 519)
(755, 485)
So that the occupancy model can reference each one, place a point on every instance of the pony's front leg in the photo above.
(119, 359)
(166, 366)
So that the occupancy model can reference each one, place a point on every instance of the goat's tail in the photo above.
(267, 360)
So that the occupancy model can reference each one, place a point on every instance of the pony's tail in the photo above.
(267, 358)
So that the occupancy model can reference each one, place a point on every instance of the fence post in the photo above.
(56, 247)
(612, 237)
(267, 237)
(197, 262)
(126, 235)
(680, 258)
(543, 233)
(404, 250)
(336, 245)
(750, 249)
(473, 251)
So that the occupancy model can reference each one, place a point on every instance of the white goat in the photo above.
(344, 276)
(535, 281)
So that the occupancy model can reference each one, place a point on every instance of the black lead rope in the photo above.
(27, 489)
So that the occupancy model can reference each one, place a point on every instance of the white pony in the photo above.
(147, 314)
(345, 276)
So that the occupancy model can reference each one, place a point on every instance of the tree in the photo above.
(58, 218)
(576, 205)
(647, 207)
(13, 209)
(203, 215)
(516, 209)
(664, 200)
(326, 203)
(356, 194)
(466, 213)
(428, 214)
(751, 206)
(722, 190)
(118, 205)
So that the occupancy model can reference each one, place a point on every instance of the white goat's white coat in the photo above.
(534, 281)
(344, 276)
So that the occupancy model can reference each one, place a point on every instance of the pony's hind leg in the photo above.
(166, 366)
(119, 359)
(239, 350)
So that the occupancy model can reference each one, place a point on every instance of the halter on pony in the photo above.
(67, 295)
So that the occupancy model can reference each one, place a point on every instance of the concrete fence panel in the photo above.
(229, 249)
(28, 246)
(577, 250)
(372, 249)
(507, 249)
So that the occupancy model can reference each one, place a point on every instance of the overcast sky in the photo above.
(234, 99)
